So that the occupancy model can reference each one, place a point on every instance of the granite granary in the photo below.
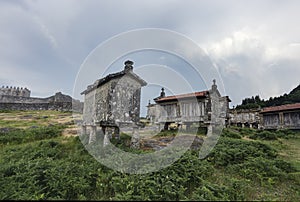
(113, 102)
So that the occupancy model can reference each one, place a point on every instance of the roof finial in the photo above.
(162, 94)
(128, 65)
(214, 86)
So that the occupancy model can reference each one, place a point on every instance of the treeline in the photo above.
(256, 102)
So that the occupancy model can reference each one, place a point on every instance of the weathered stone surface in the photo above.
(114, 102)
(282, 119)
(15, 91)
(58, 102)
(135, 139)
(245, 118)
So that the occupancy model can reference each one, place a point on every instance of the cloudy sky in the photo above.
(254, 45)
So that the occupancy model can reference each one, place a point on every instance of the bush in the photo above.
(262, 169)
(17, 136)
(234, 191)
(264, 135)
(286, 134)
(231, 134)
(233, 151)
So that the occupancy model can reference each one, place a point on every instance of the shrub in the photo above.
(233, 151)
(231, 134)
(286, 134)
(17, 136)
(264, 135)
(261, 169)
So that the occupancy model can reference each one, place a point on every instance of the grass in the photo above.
(41, 163)
(27, 119)
(290, 151)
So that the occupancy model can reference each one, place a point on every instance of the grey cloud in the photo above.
(52, 38)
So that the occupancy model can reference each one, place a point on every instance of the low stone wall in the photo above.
(18, 99)
(59, 102)
(60, 106)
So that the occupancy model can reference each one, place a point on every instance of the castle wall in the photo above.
(17, 99)
(60, 106)
(58, 102)
(15, 91)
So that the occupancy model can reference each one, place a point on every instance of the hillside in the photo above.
(40, 159)
(256, 102)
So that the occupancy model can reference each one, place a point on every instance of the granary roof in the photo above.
(281, 108)
(201, 94)
(109, 77)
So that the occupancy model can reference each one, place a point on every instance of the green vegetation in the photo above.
(27, 135)
(256, 102)
(246, 164)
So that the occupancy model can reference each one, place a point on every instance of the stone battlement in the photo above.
(16, 98)
(15, 91)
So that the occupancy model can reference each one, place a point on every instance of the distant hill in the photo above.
(256, 102)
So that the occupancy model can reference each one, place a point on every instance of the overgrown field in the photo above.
(37, 161)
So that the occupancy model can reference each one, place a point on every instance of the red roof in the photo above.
(281, 108)
(182, 96)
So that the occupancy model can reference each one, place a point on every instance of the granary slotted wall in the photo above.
(282, 116)
(189, 108)
(182, 110)
(275, 117)
(245, 118)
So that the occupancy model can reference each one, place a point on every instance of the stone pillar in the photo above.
(107, 136)
(188, 126)
(93, 131)
(160, 126)
(83, 130)
(117, 133)
(135, 139)
(209, 130)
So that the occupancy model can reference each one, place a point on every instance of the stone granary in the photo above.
(249, 118)
(190, 108)
(113, 102)
(283, 116)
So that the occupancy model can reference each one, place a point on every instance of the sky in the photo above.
(253, 45)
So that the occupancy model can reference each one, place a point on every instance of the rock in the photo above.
(5, 130)
(197, 143)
